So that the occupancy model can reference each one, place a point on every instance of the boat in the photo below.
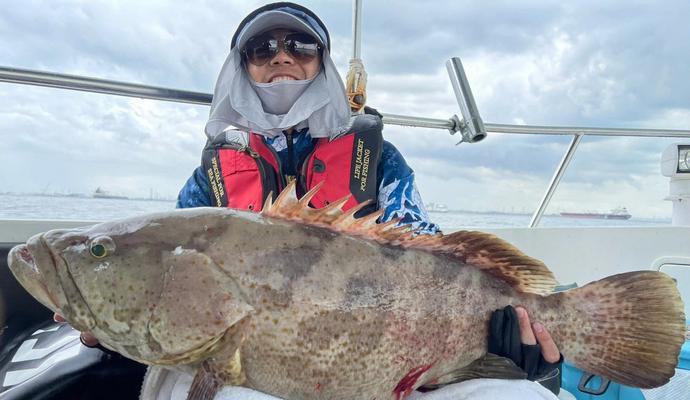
(437, 207)
(620, 213)
(99, 193)
(576, 255)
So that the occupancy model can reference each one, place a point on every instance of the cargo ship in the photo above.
(616, 213)
(103, 194)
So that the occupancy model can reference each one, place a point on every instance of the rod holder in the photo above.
(471, 127)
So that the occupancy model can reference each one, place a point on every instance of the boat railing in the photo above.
(453, 125)
(469, 124)
(471, 132)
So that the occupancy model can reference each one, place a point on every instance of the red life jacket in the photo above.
(243, 169)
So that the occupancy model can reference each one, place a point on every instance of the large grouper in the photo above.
(307, 303)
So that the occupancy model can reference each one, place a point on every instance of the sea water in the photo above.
(43, 207)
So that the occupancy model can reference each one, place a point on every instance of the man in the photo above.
(281, 88)
(279, 115)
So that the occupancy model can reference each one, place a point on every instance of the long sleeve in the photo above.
(398, 194)
(195, 193)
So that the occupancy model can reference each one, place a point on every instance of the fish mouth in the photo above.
(28, 264)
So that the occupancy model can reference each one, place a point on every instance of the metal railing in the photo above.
(104, 86)
(95, 85)
(471, 133)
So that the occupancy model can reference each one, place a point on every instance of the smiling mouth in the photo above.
(281, 78)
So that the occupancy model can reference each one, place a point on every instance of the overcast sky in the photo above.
(584, 63)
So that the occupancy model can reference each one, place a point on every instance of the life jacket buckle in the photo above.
(248, 150)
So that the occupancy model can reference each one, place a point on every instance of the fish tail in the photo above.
(628, 328)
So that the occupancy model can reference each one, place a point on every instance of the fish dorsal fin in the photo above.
(500, 259)
(481, 250)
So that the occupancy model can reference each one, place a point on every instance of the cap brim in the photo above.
(274, 20)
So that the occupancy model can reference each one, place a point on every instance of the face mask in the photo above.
(278, 97)
(322, 106)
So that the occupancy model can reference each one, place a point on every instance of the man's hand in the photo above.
(529, 345)
(86, 338)
(533, 333)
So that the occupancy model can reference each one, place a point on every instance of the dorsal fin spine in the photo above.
(481, 250)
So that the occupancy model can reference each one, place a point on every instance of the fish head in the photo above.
(143, 286)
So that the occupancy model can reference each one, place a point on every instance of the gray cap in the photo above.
(280, 15)
(274, 20)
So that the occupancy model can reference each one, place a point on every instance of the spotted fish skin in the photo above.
(307, 304)
(341, 316)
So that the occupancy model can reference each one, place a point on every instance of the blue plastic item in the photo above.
(685, 355)
(614, 391)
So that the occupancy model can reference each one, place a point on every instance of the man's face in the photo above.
(283, 66)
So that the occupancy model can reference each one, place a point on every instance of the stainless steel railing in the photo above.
(471, 132)
(95, 85)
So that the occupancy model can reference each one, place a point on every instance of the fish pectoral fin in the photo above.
(488, 366)
(212, 375)
(207, 382)
(198, 304)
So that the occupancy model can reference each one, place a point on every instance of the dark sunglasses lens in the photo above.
(302, 46)
(260, 50)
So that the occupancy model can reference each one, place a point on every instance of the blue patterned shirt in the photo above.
(398, 195)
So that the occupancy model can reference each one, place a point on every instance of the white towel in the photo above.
(173, 385)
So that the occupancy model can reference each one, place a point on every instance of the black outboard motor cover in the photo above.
(48, 361)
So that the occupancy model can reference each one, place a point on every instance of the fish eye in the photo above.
(98, 250)
(102, 246)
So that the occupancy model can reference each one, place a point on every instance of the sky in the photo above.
(587, 63)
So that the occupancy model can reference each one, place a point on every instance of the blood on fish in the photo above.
(407, 383)
(26, 255)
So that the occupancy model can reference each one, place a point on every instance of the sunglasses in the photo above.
(261, 49)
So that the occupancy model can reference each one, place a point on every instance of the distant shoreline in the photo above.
(86, 196)
(554, 215)
(435, 214)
